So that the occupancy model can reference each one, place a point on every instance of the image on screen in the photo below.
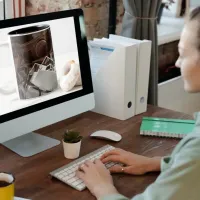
(38, 62)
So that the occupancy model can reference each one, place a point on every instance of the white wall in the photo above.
(63, 36)
(194, 3)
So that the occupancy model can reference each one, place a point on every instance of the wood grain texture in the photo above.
(32, 174)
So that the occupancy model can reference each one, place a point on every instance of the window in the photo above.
(12, 9)
(1, 10)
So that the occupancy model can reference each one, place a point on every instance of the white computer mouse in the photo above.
(107, 135)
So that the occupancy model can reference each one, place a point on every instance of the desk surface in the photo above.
(32, 174)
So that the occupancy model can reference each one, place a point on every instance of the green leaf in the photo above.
(71, 136)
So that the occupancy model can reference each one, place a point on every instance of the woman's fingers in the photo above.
(98, 162)
(113, 158)
(112, 152)
(88, 163)
(80, 175)
(84, 167)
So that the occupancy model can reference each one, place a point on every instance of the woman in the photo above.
(180, 172)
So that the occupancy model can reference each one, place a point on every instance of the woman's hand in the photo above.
(134, 164)
(97, 178)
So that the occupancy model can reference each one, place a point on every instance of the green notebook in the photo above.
(163, 127)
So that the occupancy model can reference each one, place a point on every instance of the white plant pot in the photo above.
(71, 150)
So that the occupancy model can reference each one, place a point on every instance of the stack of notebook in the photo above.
(175, 128)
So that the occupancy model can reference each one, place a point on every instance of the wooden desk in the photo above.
(32, 174)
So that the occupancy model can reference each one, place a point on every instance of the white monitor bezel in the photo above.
(28, 119)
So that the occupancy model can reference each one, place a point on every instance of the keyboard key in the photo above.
(72, 180)
(80, 187)
(57, 174)
(110, 165)
(71, 175)
(70, 170)
(76, 168)
(73, 167)
(65, 179)
(60, 176)
(107, 164)
(65, 173)
(76, 178)
(75, 183)
(79, 181)
(81, 163)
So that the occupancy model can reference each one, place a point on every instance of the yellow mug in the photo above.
(6, 186)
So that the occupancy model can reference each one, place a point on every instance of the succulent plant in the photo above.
(71, 136)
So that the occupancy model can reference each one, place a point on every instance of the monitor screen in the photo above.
(40, 64)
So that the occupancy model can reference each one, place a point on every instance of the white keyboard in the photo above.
(66, 173)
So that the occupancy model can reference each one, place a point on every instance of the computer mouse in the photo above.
(107, 135)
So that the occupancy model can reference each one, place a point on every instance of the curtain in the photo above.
(140, 22)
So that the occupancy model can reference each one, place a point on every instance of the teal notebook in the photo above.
(163, 127)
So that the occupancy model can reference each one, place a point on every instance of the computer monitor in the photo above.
(34, 59)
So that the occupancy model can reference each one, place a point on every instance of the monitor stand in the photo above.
(30, 144)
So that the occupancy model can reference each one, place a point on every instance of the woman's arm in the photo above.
(180, 181)
(154, 164)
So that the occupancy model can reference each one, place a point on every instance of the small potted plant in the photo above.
(72, 144)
